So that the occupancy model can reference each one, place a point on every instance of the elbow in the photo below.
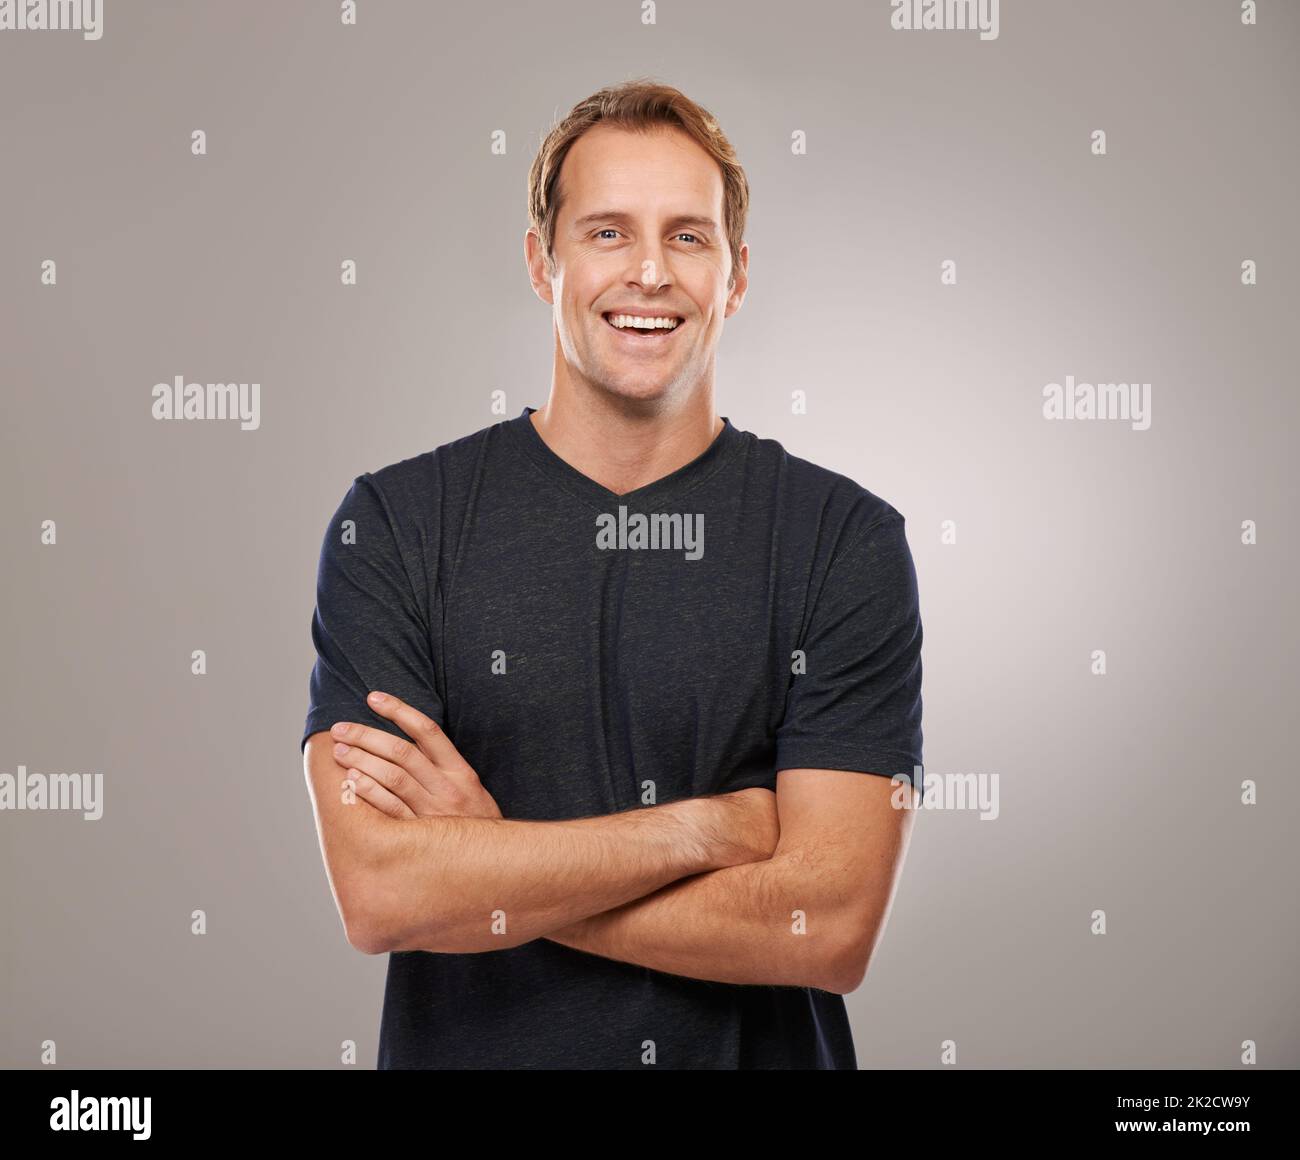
(366, 928)
(368, 939)
(844, 966)
(843, 976)
(376, 923)
(367, 919)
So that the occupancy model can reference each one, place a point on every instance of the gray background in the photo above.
(1118, 792)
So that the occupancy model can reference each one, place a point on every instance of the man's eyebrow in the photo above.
(614, 215)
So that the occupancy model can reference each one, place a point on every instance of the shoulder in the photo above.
(840, 507)
(442, 467)
(414, 495)
(426, 484)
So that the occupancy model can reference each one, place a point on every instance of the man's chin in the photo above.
(637, 388)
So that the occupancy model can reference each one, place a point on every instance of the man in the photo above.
(657, 675)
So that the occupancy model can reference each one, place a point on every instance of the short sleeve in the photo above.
(858, 704)
(368, 627)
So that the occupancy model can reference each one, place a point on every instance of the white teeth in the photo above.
(623, 321)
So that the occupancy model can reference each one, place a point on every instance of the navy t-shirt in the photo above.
(587, 660)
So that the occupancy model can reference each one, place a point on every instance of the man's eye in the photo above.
(610, 230)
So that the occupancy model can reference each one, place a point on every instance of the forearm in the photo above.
(766, 922)
(466, 884)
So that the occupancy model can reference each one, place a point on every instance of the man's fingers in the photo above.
(366, 788)
(381, 743)
(429, 756)
(422, 729)
(390, 777)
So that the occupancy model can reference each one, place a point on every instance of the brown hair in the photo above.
(639, 105)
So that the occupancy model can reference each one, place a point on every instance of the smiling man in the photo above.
(606, 807)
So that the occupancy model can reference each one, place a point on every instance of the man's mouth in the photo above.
(643, 327)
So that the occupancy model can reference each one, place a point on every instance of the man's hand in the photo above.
(422, 778)
(430, 779)
(750, 823)
(438, 884)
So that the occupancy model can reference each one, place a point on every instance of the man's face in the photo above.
(639, 232)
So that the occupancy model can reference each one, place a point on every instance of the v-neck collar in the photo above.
(526, 439)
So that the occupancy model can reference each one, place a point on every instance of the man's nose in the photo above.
(651, 270)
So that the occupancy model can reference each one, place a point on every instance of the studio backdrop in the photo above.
(1031, 281)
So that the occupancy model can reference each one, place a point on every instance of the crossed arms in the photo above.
(792, 888)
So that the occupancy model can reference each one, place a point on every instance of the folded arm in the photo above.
(787, 889)
(465, 884)
(809, 916)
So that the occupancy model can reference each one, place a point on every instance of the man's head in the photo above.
(637, 207)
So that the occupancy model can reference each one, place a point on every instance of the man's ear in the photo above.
(739, 282)
(540, 271)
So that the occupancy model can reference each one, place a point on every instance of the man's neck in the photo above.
(623, 448)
